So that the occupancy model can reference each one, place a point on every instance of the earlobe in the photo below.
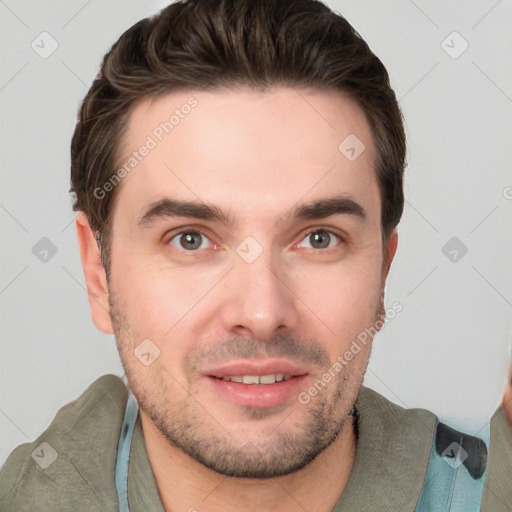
(94, 273)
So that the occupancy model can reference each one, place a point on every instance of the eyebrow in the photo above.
(319, 209)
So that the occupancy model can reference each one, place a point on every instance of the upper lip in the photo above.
(236, 368)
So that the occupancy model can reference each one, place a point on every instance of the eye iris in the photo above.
(190, 240)
(320, 239)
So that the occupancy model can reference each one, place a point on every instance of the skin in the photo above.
(296, 302)
(507, 398)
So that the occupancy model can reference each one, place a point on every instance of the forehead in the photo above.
(257, 151)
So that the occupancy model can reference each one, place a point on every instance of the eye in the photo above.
(320, 239)
(190, 241)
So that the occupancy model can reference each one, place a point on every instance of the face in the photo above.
(246, 258)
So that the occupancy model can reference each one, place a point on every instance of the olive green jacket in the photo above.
(497, 495)
(70, 467)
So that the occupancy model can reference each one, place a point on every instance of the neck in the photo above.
(184, 484)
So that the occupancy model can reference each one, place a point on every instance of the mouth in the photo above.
(257, 385)
(271, 378)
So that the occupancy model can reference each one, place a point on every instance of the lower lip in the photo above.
(258, 395)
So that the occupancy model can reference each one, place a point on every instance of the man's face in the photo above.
(260, 287)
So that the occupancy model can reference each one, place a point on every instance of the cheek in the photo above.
(153, 306)
(157, 298)
(343, 298)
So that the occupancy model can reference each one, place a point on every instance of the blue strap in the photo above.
(455, 474)
(453, 483)
(123, 453)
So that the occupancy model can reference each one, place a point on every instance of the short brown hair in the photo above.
(213, 44)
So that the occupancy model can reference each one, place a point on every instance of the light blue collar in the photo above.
(123, 452)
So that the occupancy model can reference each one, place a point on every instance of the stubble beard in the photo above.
(189, 427)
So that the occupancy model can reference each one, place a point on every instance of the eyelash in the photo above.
(330, 231)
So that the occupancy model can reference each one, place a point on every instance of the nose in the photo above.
(258, 299)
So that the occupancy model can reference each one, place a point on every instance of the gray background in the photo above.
(446, 351)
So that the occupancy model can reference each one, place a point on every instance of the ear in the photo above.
(389, 253)
(95, 277)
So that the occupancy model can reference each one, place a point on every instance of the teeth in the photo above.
(251, 379)
(256, 379)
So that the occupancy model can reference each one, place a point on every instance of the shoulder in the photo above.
(497, 495)
(70, 465)
(406, 456)
(379, 414)
(402, 437)
(421, 427)
(392, 454)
